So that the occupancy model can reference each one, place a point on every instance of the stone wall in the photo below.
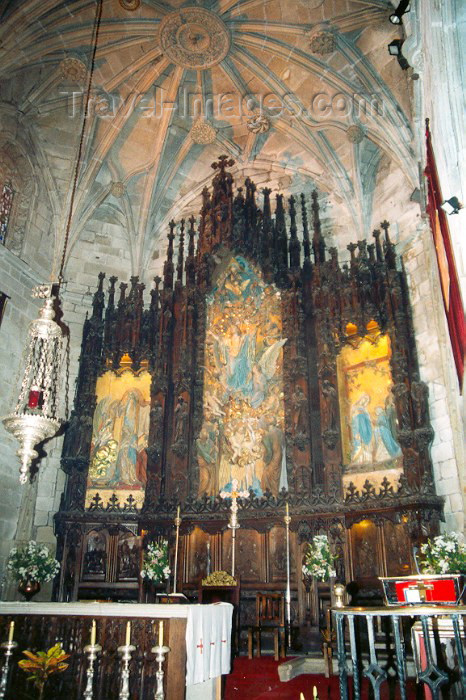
(437, 369)
(434, 46)
(17, 280)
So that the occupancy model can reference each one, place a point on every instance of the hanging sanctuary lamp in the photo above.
(36, 415)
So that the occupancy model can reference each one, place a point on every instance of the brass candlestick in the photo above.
(125, 651)
(177, 524)
(287, 520)
(8, 646)
(234, 494)
(160, 652)
(91, 650)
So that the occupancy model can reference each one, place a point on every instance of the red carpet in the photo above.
(257, 679)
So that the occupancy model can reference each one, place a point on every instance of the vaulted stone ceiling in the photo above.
(301, 93)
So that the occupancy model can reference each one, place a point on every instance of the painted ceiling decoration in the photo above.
(292, 89)
(194, 38)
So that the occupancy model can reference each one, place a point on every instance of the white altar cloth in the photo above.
(208, 642)
(207, 628)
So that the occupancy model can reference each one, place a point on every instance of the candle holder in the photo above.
(9, 647)
(125, 651)
(160, 653)
(177, 525)
(91, 650)
(287, 520)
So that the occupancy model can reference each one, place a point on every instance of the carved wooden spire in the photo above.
(388, 246)
(281, 242)
(190, 266)
(179, 265)
(294, 245)
(168, 268)
(306, 241)
(222, 184)
(318, 244)
(378, 246)
(99, 299)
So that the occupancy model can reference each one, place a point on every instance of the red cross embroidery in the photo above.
(200, 646)
(224, 641)
(212, 644)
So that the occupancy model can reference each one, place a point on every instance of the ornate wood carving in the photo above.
(320, 300)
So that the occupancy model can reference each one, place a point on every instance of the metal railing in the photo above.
(432, 626)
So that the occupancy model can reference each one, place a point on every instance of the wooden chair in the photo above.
(270, 617)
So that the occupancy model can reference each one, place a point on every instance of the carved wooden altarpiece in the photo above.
(259, 358)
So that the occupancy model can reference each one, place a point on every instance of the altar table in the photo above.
(38, 626)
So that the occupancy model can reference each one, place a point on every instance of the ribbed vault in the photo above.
(301, 93)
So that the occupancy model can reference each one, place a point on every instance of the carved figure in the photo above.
(419, 394)
(300, 422)
(95, 556)
(128, 560)
(329, 405)
(181, 420)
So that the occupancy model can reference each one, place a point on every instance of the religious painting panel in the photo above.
(241, 444)
(368, 423)
(120, 432)
(365, 550)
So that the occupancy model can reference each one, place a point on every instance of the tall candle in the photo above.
(128, 634)
(93, 632)
(11, 631)
(287, 510)
(178, 512)
(301, 696)
(160, 633)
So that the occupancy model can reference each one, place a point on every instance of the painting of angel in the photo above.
(243, 392)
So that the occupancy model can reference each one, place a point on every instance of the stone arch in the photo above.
(16, 169)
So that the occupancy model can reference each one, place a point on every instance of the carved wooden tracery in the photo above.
(325, 306)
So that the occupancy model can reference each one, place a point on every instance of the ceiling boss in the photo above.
(194, 38)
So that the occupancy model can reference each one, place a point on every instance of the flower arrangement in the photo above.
(155, 566)
(42, 665)
(445, 554)
(33, 562)
(318, 559)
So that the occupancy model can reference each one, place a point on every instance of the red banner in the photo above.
(445, 259)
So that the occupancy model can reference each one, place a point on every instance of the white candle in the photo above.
(161, 633)
(287, 510)
(11, 631)
(301, 696)
(178, 512)
(128, 634)
(93, 633)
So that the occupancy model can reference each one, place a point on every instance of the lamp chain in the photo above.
(95, 36)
